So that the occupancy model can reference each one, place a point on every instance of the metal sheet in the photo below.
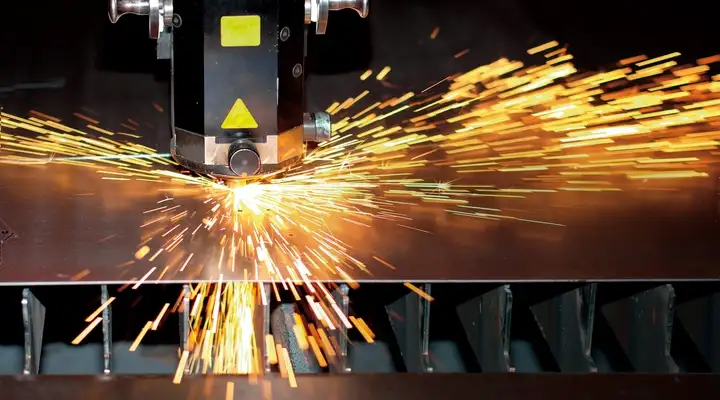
(63, 217)
(60, 227)
(363, 386)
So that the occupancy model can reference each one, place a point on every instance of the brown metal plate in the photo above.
(73, 227)
(69, 224)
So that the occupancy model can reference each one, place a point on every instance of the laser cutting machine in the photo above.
(628, 289)
(237, 94)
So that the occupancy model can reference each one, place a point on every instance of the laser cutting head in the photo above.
(237, 92)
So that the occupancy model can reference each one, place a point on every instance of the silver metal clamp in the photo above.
(159, 11)
(317, 11)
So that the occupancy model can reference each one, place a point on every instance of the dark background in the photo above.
(51, 41)
(66, 55)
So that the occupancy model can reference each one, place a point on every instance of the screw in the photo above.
(176, 21)
(297, 70)
(284, 33)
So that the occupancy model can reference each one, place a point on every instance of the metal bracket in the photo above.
(341, 336)
(33, 323)
(164, 46)
(106, 330)
(566, 322)
(159, 11)
(412, 329)
(318, 11)
(643, 325)
(487, 322)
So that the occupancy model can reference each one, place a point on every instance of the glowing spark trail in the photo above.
(115, 157)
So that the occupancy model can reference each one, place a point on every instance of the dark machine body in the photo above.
(237, 79)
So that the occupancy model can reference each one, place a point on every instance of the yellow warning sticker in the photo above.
(239, 117)
(240, 31)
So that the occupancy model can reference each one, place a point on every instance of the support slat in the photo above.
(566, 322)
(341, 334)
(33, 324)
(282, 320)
(410, 320)
(185, 324)
(642, 324)
(261, 322)
(487, 323)
(106, 330)
(701, 319)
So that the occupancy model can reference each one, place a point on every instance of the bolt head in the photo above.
(297, 70)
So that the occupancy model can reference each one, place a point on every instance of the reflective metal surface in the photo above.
(360, 6)
(117, 9)
(160, 13)
(320, 10)
(67, 220)
(69, 224)
(33, 312)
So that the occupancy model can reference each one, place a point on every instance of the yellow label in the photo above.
(240, 31)
(239, 117)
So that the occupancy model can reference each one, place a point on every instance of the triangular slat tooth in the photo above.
(642, 324)
(700, 316)
(487, 323)
(566, 322)
(410, 320)
(33, 324)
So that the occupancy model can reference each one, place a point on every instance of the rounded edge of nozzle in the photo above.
(364, 9)
(113, 11)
